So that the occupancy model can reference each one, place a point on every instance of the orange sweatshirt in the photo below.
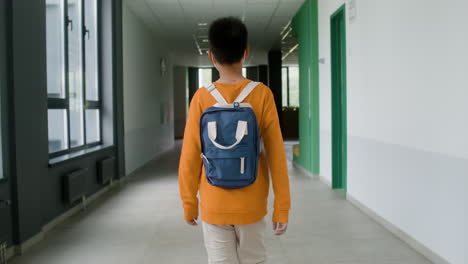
(235, 206)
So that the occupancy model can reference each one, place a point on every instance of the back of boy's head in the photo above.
(228, 40)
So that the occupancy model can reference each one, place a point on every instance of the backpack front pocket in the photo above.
(229, 169)
(228, 166)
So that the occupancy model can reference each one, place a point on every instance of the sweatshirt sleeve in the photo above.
(190, 163)
(276, 155)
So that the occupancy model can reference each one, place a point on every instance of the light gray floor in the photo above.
(141, 223)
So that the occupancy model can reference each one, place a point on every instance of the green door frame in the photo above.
(338, 95)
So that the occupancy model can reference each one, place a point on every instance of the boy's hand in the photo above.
(192, 222)
(279, 228)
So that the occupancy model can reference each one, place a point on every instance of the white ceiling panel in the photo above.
(220, 5)
(201, 2)
(195, 8)
(168, 6)
(141, 9)
(277, 24)
(232, 8)
(161, 1)
(252, 20)
(254, 10)
(229, 2)
(236, 12)
(268, 2)
(177, 21)
(289, 8)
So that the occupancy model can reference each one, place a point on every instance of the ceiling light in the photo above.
(204, 40)
(286, 27)
(290, 51)
(197, 45)
(202, 24)
(286, 34)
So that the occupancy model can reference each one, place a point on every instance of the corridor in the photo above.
(369, 96)
(141, 223)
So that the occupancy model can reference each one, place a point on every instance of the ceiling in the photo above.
(184, 23)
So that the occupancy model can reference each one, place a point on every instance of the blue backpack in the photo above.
(230, 140)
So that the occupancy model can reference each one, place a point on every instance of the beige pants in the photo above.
(235, 244)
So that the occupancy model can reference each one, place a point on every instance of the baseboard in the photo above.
(61, 218)
(20, 249)
(79, 207)
(157, 156)
(10, 252)
(303, 170)
(325, 180)
(416, 245)
(23, 247)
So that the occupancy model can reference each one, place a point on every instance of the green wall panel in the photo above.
(305, 27)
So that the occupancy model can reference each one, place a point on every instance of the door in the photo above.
(6, 232)
(338, 94)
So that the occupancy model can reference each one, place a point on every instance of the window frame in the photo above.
(288, 86)
(64, 103)
(288, 96)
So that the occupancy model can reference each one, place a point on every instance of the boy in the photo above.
(233, 219)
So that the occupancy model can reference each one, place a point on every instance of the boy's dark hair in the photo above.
(228, 39)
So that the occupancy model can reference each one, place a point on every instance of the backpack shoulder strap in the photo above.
(246, 91)
(216, 94)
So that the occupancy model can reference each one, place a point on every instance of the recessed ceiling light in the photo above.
(202, 24)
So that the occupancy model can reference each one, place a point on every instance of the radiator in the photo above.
(106, 170)
(74, 185)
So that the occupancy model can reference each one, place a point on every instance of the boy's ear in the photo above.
(211, 57)
(247, 52)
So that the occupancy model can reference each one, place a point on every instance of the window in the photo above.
(290, 86)
(244, 72)
(73, 75)
(205, 76)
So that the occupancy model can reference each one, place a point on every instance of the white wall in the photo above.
(146, 93)
(407, 116)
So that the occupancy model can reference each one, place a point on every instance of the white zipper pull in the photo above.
(242, 165)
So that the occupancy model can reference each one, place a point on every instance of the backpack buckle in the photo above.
(236, 104)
